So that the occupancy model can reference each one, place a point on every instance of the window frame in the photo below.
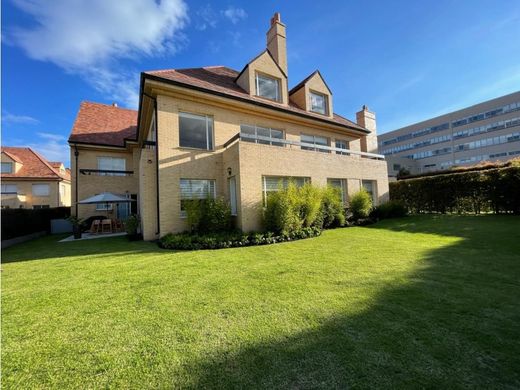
(257, 141)
(342, 187)
(210, 140)
(325, 101)
(104, 207)
(112, 158)
(278, 89)
(285, 182)
(347, 147)
(4, 185)
(314, 143)
(373, 193)
(41, 185)
(10, 164)
(214, 195)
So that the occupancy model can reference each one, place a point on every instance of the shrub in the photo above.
(360, 204)
(390, 209)
(309, 204)
(208, 215)
(332, 210)
(282, 212)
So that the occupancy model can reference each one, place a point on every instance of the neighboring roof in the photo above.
(56, 164)
(302, 83)
(34, 165)
(102, 124)
(220, 80)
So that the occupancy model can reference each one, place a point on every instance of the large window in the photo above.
(7, 167)
(313, 142)
(251, 133)
(195, 131)
(268, 87)
(9, 189)
(340, 184)
(340, 144)
(370, 187)
(111, 164)
(319, 103)
(40, 190)
(196, 189)
(272, 184)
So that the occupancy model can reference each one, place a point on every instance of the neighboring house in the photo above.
(488, 131)
(218, 132)
(30, 181)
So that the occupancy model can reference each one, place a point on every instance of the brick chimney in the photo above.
(276, 42)
(367, 119)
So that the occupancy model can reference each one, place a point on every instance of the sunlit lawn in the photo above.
(420, 302)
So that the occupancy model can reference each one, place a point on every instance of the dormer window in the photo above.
(7, 167)
(267, 87)
(319, 103)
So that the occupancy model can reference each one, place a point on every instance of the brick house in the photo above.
(30, 181)
(215, 131)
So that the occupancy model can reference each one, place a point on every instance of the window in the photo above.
(9, 189)
(268, 87)
(251, 133)
(341, 184)
(313, 142)
(40, 190)
(319, 103)
(272, 184)
(41, 206)
(196, 189)
(233, 195)
(195, 131)
(111, 164)
(370, 187)
(103, 206)
(340, 144)
(7, 167)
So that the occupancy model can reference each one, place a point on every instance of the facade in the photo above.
(218, 132)
(488, 131)
(30, 181)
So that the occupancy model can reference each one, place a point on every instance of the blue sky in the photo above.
(407, 60)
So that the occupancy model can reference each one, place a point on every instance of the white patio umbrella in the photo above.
(106, 198)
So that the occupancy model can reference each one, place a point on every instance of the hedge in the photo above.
(19, 222)
(490, 190)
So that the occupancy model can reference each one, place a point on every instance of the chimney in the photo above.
(367, 119)
(114, 104)
(276, 42)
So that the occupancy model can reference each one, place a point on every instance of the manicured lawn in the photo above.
(420, 302)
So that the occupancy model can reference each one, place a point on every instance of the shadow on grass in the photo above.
(454, 323)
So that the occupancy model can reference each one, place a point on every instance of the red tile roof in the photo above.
(104, 124)
(221, 80)
(34, 165)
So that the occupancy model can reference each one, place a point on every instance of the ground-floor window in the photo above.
(196, 189)
(341, 184)
(41, 206)
(370, 187)
(272, 184)
(103, 206)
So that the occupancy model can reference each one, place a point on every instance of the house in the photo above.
(219, 132)
(30, 181)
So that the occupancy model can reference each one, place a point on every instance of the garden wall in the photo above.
(20, 222)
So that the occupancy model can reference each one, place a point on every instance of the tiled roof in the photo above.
(34, 165)
(221, 80)
(104, 124)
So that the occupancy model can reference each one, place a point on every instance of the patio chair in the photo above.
(95, 227)
(106, 226)
(118, 225)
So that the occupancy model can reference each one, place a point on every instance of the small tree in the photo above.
(360, 204)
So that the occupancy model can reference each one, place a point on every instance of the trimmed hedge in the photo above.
(491, 190)
(188, 241)
(20, 222)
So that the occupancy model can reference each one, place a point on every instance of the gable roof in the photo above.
(34, 165)
(304, 81)
(103, 124)
(220, 80)
(258, 56)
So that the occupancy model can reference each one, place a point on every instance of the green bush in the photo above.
(282, 212)
(390, 209)
(190, 241)
(360, 204)
(309, 204)
(332, 209)
(208, 215)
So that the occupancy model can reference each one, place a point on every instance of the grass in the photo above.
(420, 302)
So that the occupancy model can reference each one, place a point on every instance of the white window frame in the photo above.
(208, 136)
(313, 146)
(233, 201)
(7, 164)
(342, 187)
(325, 102)
(104, 206)
(111, 158)
(374, 189)
(265, 76)
(45, 193)
(285, 182)
(213, 195)
(271, 142)
(347, 146)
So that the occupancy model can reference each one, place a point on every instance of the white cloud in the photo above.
(91, 37)
(20, 119)
(52, 146)
(234, 14)
(206, 17)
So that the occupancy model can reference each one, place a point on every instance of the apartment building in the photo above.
(30, 181)
(219, 132)
(488, 131)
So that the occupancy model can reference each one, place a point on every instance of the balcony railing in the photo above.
(301, 145)
(105, 172)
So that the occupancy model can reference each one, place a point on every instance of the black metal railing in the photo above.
(105, 172)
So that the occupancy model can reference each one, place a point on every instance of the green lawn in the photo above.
(420, 302)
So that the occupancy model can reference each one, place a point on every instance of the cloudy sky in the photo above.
(407, 60)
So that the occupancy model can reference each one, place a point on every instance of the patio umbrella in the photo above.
(106, 198)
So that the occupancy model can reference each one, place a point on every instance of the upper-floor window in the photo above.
(9, 189)
(319, 103)
(7, 167)
(195, 131)
(40, 190)
(340, 144)
(314, 142)
(111, 164)
(268, 87)
(261, 135)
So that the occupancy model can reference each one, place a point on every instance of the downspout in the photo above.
(76, 154)
(158, 227)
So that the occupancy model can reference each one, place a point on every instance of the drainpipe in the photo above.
(158, 217)
(76, 154)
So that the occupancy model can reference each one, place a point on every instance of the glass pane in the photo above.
(322, 141)
(263, 132)
(7, 167)
(309, 139)
(247, 130)
(193, 132)
(277, 134)
(318, 103)
(267, 87)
